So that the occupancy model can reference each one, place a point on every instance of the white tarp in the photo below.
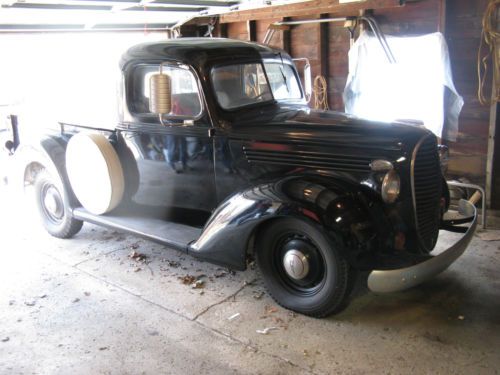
(419, 86)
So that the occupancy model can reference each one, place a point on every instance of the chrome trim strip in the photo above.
(412, 179)
(387, 281)
(412, 182)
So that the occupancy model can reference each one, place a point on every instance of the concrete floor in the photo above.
(82, 306)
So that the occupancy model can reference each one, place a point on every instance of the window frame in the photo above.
(249, 62)
(131, 78)
(297, 77)
(262, 62)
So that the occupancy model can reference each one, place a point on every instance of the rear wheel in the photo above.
(303, 270)
(53, 207)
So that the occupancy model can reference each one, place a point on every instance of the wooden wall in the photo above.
(459, 20)
(463, 33)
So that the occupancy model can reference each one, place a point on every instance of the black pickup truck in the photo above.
(217, 154)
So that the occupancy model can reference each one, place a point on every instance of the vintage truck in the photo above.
(216, 153)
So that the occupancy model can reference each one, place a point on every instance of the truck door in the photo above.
(174, 156)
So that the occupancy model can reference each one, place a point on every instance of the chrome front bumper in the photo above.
(386, 281)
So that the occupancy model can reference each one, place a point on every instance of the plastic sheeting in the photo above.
(419, 86)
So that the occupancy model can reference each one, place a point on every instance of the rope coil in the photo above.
(490, 40)
(320, 92)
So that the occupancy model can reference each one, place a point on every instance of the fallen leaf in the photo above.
(173, 264)
(135, 255)
(187, 279)
(257, 295)
(198, 284)
(5, 339)
(270, 310)
(30, 303)
(86, 293)
(104, 348)
(76, 300)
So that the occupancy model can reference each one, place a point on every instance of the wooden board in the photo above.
(314, 7)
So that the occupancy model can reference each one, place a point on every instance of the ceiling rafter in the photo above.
(152, 7)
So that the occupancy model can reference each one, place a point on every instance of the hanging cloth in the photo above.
(419, 86)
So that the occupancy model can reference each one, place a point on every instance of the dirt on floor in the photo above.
(109, 303)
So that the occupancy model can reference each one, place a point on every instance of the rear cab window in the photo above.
(186, 99)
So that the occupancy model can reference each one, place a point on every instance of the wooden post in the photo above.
(252, 30)
(287, 38)
(442, 17)
(493, 160)
(222, 30)
(323, 47)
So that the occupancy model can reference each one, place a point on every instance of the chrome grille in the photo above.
(426, 185)
(310, 159)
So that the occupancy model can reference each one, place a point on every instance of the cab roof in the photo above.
(199, 52)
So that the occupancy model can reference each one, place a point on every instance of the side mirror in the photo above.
(160, 94)
(306, 75)
(308, 81)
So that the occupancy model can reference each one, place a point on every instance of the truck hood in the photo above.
(327, 128)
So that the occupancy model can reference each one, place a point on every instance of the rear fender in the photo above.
(334, 206)
(49, 153)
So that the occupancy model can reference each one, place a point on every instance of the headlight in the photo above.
(391, 187)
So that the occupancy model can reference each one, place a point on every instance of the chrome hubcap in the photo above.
(296, 264)
(52, 202)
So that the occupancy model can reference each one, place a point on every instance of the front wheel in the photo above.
(53, 207)
(303, 269)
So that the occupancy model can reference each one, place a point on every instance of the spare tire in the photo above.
(95, 172)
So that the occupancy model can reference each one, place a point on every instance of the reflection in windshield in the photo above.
(243, 84)
(284, 84)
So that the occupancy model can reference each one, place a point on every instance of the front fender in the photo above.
(333, 205)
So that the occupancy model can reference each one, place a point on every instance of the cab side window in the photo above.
(186, 103)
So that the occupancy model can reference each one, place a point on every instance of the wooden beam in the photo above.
(492, 161)
(323, 47)
(222, 30)
(252, 30)
(442, 17)
(287, 38)
(308, 8)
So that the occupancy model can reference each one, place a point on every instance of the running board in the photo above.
(174, 235)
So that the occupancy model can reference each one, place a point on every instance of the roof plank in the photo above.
(307, 8)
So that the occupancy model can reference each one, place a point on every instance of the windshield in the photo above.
(243, 84)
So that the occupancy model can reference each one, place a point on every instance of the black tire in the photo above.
(329, 282)
(57, 219)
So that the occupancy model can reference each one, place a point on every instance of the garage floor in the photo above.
(83, 306)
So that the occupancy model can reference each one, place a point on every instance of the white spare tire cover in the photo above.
(95, 172)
